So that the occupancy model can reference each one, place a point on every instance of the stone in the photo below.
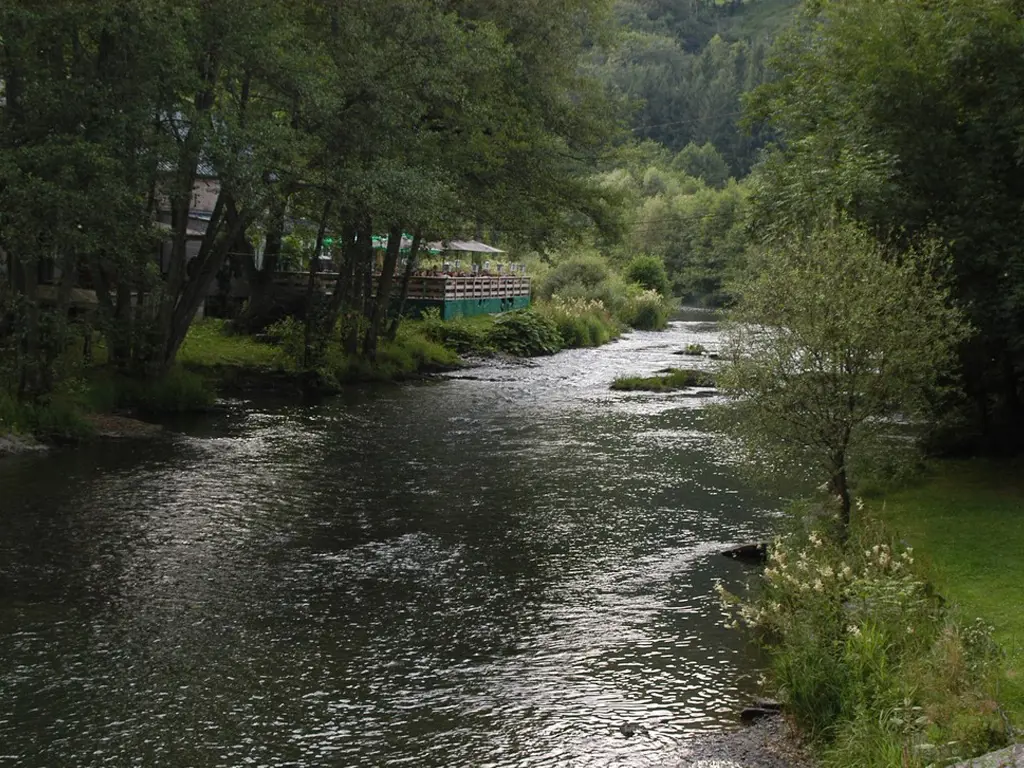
(631, 729)
(1012, 757)
(752, 715)
(755, 554)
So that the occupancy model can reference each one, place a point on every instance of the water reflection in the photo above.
(470, 573)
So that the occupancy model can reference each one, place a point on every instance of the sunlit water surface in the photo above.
(496, 571)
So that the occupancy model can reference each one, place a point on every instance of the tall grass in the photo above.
(580, 322)
(872, 665)
(57, 417)
(411, 353)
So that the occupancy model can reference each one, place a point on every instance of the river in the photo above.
(490, 571)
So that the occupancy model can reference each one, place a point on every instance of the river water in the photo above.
(496, 571)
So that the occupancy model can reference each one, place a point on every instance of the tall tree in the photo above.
(833, 336)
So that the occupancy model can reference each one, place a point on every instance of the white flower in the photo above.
(818, 586)
(854, 630)
(860, 504)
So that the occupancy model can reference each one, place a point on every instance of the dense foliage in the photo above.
(688, 64)
(868, 660)
(348, 119)
(907, 115)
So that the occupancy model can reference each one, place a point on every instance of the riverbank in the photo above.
(924, 664)
(965, 520)
(214, 362)
(769, 743)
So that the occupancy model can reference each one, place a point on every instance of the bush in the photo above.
(870, 663)
(466, 336)
(580, 322)
(646, 311)
(649, 273)
(585, 274)
(525, 333)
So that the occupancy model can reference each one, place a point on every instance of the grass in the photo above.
(875, 669)
(210, 345)
(966, 521)
(670, 380)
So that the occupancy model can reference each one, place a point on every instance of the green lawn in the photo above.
(966, 521)
(208, 346)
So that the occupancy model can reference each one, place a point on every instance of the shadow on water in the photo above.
(465, 573)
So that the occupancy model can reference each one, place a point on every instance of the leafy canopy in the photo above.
(831, 338)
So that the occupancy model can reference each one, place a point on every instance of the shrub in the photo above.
(580, 322)
(463, 335)
(649, 273)
(645, 310)
(525, 333)
(868, 660)
(583, 273)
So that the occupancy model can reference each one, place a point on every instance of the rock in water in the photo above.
(631, 729)
(752, 715)
(755, 554)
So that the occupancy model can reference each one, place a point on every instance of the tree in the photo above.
(649, 272)
(832, 337)
(907, 116)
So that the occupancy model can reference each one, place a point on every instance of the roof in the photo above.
(470, 246)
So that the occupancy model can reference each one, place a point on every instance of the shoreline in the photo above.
(769, 743)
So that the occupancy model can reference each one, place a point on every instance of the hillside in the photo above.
(686, 64)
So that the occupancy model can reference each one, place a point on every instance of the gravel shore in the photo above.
(14, 445)
(767, 744)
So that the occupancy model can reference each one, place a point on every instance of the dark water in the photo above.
(471, 573)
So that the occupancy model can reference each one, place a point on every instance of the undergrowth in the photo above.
(872, 665)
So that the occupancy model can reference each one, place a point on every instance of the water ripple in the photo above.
(473, 573)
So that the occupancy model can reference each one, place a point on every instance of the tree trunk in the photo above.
(410, 267)
(380, 305)
(211, 258)
(841, 489)
(312, 304)
(363, 252)
(259, 310)
(343, 280)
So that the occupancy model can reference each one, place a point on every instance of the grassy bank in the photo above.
(874, 667)
(966, 521)
(214, 360)
(904, 645)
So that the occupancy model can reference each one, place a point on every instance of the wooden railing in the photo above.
(472, 287)
(433, 288)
